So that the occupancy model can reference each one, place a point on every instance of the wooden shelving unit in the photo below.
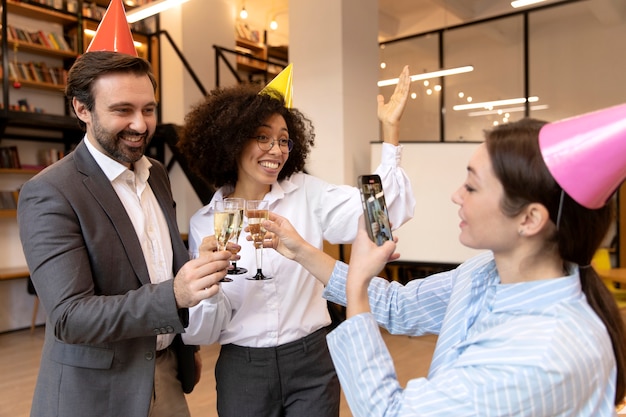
(253, 50)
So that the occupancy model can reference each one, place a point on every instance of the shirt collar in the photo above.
(538, 294)
(113, 169)
(277, 192)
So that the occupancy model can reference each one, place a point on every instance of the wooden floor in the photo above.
(20, 355)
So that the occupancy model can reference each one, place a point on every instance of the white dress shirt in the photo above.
(289, 306)
(145, 213)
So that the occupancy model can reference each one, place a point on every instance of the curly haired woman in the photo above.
(274, 360)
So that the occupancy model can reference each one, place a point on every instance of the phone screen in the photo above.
(375, 208)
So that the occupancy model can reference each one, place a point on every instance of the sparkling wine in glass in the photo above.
(257, 211)
(238, 204)
(225, 219)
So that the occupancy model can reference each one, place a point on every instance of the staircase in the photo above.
(166, 135)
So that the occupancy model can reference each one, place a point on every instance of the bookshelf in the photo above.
(250, 42)
(252, 50)
(278, 56)
(39, 41)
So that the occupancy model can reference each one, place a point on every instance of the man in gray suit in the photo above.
(99, 233)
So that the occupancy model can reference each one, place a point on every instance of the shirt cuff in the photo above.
(335, 289)
(391, 154)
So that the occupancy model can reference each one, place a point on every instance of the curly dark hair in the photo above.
(216, 130)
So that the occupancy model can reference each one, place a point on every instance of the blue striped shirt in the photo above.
(525, 349)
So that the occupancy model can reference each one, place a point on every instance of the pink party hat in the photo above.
(113, 32)
(282, 83)
(586, 154)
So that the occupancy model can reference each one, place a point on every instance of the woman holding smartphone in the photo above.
(526, 328)
(249, 144)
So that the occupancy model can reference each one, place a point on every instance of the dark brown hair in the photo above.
(518, 164)
(216, 130)
(92, 65)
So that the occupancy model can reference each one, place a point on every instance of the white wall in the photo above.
(436, 171)
(334, 48)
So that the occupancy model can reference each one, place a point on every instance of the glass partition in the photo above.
(475, 101)
(421, 54)
(567, 59)
(577, 62)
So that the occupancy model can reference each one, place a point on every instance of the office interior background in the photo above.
(567, 56)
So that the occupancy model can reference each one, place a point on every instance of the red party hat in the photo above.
(113, 32)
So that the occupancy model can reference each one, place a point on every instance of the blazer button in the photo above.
(156, 330)
(163, 330)
(149, 356)
(170, 329)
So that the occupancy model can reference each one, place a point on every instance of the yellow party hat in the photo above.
(113, 33)
(282, 84)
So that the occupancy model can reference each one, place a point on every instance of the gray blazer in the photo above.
(80, 245)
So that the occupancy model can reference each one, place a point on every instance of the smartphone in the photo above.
(375, 208)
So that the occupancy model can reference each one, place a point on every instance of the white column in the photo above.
(195, 27)
(334, 48)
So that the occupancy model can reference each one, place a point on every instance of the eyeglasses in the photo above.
(266, 143)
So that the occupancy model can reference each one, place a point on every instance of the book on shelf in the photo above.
(45, 72)
(37, 72)
(34, 73)
(34, 38)
(50, 40)
(244, 32)
(13, 74)
(59, 41)
(53, 41)
(9, 157)
(22, 35)
(11, 33)
(8, 200)
(23, 72)
(43, 39)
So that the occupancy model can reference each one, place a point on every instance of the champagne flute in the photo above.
(240, 204)
(257, 211)
(225, 219)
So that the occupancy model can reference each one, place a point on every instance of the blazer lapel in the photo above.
(101, 189)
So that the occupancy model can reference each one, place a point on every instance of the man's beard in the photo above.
(113, 146)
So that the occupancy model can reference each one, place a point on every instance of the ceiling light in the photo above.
(522, 3)
(509, 110)
(491, 104)
(150, 9)
(426, 75)
(243, 13)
